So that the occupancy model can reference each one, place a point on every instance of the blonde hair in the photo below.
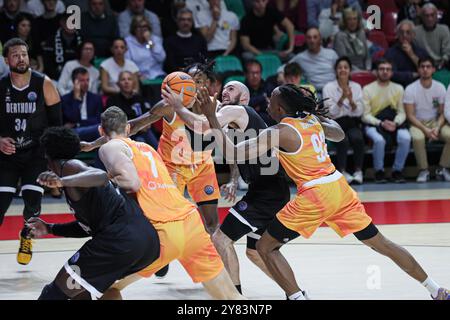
(347, 13)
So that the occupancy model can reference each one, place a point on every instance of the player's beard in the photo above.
(20, 70)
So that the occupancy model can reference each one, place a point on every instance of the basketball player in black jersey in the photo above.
(123, 240)
(268, 189)
(29, 103)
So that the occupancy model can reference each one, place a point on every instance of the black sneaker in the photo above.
(398, 177)
(161, 273)
(380, 177)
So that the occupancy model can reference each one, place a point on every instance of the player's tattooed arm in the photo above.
(332, 129)
(116, 156)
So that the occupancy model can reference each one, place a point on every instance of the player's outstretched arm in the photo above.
(332, 129)
(116, 157)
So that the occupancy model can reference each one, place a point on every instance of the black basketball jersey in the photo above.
(23, 114)
(99, 207)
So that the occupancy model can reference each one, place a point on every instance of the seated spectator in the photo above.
(215, 84)
(99, 27)
(385, 117)
(406, 54)
(135, 8)
(85, 56)
(351, 41)
(424, 104)
(112, 67)
(199, 6)
(145, 49)
(331, 18)
(410, 11)
(37, 7)
(46, 24)
(316, 62)
(434, 37)
(60, 48)
(292, 74)
(258, 30)
(294, 10)
(184, 47)
(345, 104)
(23, 29)
(133, 105)
(4, 69)
(315, 7)
(259, 90)
(167, 11)
(219, 28)
(8, 19)
(81, 108)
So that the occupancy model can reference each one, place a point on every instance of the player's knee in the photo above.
(251, 254)
(112, 294)
(262, 248)
(53, 292)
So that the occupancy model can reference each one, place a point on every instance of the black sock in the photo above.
(238, 287)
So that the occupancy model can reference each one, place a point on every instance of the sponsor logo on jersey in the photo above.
(209, 190)
(242, 205)
(75, 257)
(152, 185)
(21, 107)
(32, 96)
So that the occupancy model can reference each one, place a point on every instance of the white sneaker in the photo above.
(348, 177)
(424, 176)
(242, 185)
(358, 177)
(443, 174)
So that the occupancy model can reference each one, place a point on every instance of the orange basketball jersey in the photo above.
(158, 196)
(311, 161)
(175, 146)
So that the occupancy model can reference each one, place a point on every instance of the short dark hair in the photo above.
(79, 49)
(252, 61)
(344, 58)
(114, 120)
(14, 42)
(183, 11)
(292, 69)
(427, 59)
(77, 71)
(119, 39)
(60, 143)
(312, 27)
(383, 61)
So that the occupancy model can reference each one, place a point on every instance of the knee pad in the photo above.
(32, 200)
(52, 292)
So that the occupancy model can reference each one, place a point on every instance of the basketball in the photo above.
(181, 82)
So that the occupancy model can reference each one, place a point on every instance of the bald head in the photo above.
(235, 93)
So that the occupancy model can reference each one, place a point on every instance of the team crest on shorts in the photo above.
(242, 205)
(32, 96)
(75, 257)
(209, 190)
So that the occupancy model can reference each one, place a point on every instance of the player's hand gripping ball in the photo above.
(180, 82)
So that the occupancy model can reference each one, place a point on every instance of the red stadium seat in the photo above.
(378, 38)
(363, 77)
(385, 5)
(388, 25)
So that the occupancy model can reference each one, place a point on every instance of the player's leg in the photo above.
(372, 238)
(225, 247)
(208, 211)
(253, 255)
(59, 289)
(221, 287)
(113, 292)
(9, 178)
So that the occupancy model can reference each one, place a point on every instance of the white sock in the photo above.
(431, 286)
(297, 296)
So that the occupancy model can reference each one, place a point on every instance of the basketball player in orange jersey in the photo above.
(323, 193)
(176, 219)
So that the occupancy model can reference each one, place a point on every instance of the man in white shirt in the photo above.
(424, 106)
(219, 27)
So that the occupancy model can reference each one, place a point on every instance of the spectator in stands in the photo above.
(316, 62)
(259, 90)
(292, 74)
(46, 25)
(215, 84)
(219, 28)
(185, 46)
(345, 104)
(99, 27)
(434, 37)
(385, 117)
(410, 11)
(145, 49)
(135, 8)
(113, 66)
(167, 11)
(85, 56)
(331, 18)
(424, 105)
(81, 108)
(257, 31)
(314, 7)
(351, 41)
(37, 7)
(23, 29)
(8, 19)
(199, 6)
(60, 48)
(406, 54)
(4, 69)
(294, 10)
(133, 105)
